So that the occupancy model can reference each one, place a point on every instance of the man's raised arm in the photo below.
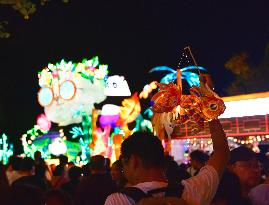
(221, 154)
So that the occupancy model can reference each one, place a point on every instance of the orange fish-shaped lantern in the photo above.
(167, 98)
(211, 105)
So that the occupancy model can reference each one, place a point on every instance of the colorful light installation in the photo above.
(186, 74)
(58, 147)
(110, 114)
(6, 150)
(67, 90)
(70, 89)
(43, 122)
(45, 96)
(117, 86)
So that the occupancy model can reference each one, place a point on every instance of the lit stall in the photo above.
(245, 122)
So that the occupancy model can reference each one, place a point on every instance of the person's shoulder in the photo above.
(147, 186)
(208, 168)
(207, 171)
(21, 179)
(260, 188)
(118, 199)
(200, 189)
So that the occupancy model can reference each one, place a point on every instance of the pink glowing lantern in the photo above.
(43, 122)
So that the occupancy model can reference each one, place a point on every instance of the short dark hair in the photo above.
(63, 159)
(59, 170)
(74, 173)
(117, 164)
(15, 162)
(147, 146)
(37, 155)
(25, 194)
(199, 155)
(27, 164)
(97, 163)
(241, 153)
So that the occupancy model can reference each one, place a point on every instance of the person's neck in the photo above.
(98, 172)
(25, 173)
(150, 175)
(245, 190)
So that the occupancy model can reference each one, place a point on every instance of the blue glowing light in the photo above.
(67, 90)
(186, 74)
(45, 96)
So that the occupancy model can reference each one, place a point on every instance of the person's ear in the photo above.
(136, 161)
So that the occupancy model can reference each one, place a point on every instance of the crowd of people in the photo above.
(143, 175)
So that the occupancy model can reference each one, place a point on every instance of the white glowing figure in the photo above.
(117, 86)
(57, 147)
(110, 109)
(68, 90)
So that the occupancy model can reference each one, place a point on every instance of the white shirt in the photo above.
(198, 190)
(259, 195)
(13, 176)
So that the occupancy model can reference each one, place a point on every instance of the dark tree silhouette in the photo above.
(249, 78)
(24, 7)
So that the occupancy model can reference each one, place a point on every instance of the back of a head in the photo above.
(40, 170)
(16, 163)
(27, 164)
(25, 195)
(117, 164)
(174, 173)
(63, 160)
(86, 170)
(59, 171)
(97, 163)
(241, 153)
(57, 197)
(199, 156)
(147, 146)
(74, 173)
(37, 155)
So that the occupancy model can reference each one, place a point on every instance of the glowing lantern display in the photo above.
(109, 115)
(45, 96)
(68, 89)
(57, 147)
(117, 86)
(43, 122)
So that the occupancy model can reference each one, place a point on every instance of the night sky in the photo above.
(131, 36)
